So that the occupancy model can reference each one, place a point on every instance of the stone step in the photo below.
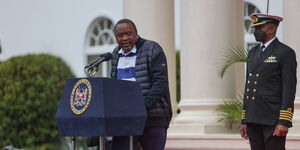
(218, 142)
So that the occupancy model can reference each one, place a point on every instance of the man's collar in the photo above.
(268, 43)
(133, 50)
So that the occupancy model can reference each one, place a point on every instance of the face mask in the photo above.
(259, 35)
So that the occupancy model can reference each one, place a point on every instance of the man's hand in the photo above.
(243, 132)
(280, 130)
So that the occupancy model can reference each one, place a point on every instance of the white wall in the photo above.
(59, 26)
(52, 26)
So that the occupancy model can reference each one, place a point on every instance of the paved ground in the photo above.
(219, 142)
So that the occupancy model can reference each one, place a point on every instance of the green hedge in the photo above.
(30, 89)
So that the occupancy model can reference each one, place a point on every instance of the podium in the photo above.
(101, 107)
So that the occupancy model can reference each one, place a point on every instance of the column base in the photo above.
(194, 111)
(201, 129)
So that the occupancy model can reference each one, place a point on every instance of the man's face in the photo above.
(264, 27)
(265, 32)
(126, 36)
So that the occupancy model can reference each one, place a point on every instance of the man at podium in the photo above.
(143, 61)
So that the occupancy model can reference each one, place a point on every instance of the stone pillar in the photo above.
(207, 27)
(155, 21)
(291, 32)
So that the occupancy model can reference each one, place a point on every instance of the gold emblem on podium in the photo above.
(81, 96)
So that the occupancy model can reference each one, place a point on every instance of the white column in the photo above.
(291, 32)
(207, 27)
(155, 21)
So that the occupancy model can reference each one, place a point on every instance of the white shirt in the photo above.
(267, 43)
(126, 65)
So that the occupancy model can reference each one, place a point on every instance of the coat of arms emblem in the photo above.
(81, 96)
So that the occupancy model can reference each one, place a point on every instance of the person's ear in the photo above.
(272, 29)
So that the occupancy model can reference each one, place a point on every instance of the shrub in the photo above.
(231, 112)
(30, 89)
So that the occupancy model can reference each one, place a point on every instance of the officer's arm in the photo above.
(245, 95)
(289, 81)
(244, 99)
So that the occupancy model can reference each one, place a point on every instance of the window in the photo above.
(100, 39)
(249, 9)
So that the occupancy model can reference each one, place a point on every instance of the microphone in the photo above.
(102, 58)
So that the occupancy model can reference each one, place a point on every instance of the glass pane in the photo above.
(247, 25)
(109, 23)
(101, 24)
(111, 41)
(106, 35)
(246, 9)
(92, 41)
(95, 31)
(100, 42)
(251, 9)
(256, 10)
(251, 30)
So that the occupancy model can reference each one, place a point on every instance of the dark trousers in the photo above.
(152, 139)
(261, 138)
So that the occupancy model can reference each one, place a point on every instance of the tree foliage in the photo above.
(30, 89)
(230, 56)
(231, 112)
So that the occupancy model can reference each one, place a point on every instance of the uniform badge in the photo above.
(81, 96)
(286, 114)
(254, 19)
(271, 59)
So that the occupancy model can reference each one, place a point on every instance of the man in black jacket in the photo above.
(270, 87)
(143, 61)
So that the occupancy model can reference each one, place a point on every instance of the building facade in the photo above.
(78, 31)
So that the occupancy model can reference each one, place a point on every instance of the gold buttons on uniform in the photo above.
(247, 97)
(248, 81)
(257, 75)
(255, 82)
(253, 98)
(250, 74)
(254, 90)
(247, 90)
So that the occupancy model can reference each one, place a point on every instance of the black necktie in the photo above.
(260, 51)
(262, 48)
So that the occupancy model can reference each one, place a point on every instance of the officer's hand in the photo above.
(243, 132)
(280, 130)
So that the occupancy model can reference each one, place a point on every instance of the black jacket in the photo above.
(151, 73)
(270, 85)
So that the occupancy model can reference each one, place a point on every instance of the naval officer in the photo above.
(270, 88)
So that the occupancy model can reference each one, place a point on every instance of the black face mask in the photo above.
(259, 35)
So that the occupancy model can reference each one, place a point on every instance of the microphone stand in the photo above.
(90, 71)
